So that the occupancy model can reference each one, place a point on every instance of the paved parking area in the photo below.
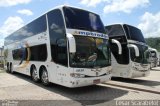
(150, 83)
(20, 87)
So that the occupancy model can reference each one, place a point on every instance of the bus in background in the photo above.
(66, 46)
(159, 59)
(130, 54)
(154, 57)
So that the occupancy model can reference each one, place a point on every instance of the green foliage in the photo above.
(154, 42)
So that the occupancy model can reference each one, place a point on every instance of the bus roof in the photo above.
(120, 24)
(57, 7)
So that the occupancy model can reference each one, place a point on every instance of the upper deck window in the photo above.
(57, 37)
(84, 20)
(35, 27)
(134, 33)
(115, 30)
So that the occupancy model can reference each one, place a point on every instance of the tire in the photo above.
(44, 77)
(8, 68)
(34, 75)
(11, 69)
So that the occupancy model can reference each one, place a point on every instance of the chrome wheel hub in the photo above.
(45, 77)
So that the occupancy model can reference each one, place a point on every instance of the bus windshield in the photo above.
(134, 33)
(90, 52)
(115, 30)
(84, 20)
(143, 56)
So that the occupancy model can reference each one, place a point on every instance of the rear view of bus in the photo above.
(130, 54)
(67, 46)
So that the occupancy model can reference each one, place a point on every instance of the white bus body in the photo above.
(133, 60)
(154, 57)
(159, 59)
(66, 46)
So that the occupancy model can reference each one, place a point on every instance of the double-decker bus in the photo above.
(130, 54)
(154, 57)
(66, 46)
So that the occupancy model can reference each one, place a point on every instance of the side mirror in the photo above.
(135, 48)
(72, 43)
(118, 44)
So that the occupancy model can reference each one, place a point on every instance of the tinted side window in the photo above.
(114, 30)
(126, 31)
(38, 53)
(37, 26)
(57, 37)
(19, 54)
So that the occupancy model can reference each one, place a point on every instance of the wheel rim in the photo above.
(45, 77)
(35, 75)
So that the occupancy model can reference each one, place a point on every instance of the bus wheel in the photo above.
(7, 68)
(34, 75)
(44, 77)
(11, 69)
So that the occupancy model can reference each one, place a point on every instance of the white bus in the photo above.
(132, 58)
(159, 59)
(154, 57)
(66, 46)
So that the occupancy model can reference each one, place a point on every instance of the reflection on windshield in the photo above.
(93, 19)
(144, 54)
(84, 20)
(115, 30)
(90, 52)
(134, 33)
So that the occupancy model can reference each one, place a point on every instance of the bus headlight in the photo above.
(77, 75)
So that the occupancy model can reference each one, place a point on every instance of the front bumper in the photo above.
(80, 82)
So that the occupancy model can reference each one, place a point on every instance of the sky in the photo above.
(144, 14)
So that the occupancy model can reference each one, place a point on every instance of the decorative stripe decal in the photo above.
(28, 57)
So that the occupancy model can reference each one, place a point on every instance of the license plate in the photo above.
(96, 81)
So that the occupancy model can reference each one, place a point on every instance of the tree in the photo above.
(154, 42)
